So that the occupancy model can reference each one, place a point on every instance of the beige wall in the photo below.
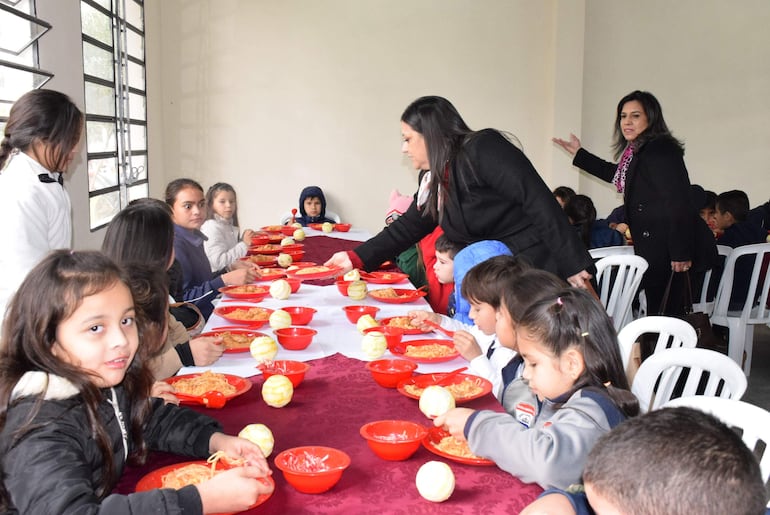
(275, 95)
(707, 62)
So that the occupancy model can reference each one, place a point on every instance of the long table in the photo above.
(337, 397)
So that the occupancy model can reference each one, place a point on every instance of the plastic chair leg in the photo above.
(736, 340)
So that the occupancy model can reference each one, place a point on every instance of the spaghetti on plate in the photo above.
(206, 382)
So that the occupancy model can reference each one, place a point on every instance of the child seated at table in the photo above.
(444, 270)
(518, 292)
(74, 398)
(312, 207)
(482, 286)
(418, 260)
(594, 233)
(572, 363)
(671, 460)
(732, 209)
(225, 242)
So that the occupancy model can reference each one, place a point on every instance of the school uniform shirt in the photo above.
(553, 449)
(515, 395)
(36, 217)
(223, 245)
(493, 356)
(199, 284)
(56, 467)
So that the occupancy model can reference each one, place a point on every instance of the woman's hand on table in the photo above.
(165, 391)
(233, 490)
(340, 259)
(206, 349)
(551, 504)
(418, 316)
(240, 448)
(454, 420)
(466, 345)
(572, 145)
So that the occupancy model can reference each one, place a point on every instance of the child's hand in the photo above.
(240, 448)
(206, 349)
(454, 420)
(342, 260)
(233, 490)
(240, 276)
(248, 234)
(164, 391)
(466, 345)
(418, 316)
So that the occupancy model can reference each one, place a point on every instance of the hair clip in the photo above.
(608, 384)
(559, 301)
(584, 334)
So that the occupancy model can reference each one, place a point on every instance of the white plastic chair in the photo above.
(704, 305)
(740, 323)
(750, 421)
(601, 252)
(672, 333)
(661, 377)
(618, 277)
(329, 214)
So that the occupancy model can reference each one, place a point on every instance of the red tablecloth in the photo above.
(337, 397)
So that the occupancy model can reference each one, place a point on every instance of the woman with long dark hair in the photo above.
(652, 176)
(479, 186)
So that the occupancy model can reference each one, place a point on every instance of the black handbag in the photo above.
(707, 338)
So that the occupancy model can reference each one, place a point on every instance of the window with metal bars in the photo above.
(115, 104)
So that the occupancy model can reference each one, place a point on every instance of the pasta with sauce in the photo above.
(206, 382)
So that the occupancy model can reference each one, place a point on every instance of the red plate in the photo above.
(315, 272)
(302, 264)
(404, 296)
(434, 436)
(421, 381)
(258, 293)
(292, 246)
(272, 228)
(384, 277)
(230, 350)
(262, 259)
(275, 237)
(271, 274)
(266, 249)
(154, 479)
(241, 385)
(430, 341)
(224, 312)
(416, 330)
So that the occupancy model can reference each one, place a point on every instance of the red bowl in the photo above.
(288, 230)
(355, 312)
(393, 440)
(342, 227)
(392, 334)
(300, 315)
(303, 469)
(296, 255)
(292, 247)
(294, 370)
(390, 372)
(260, 239)
(294, 283)
(342, 285)
(295, 338)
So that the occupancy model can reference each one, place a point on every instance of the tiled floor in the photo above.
(758, 391)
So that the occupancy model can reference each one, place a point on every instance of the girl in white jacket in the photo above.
(221, 228)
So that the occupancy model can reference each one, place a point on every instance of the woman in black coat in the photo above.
(480, 187)
(664, 224)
